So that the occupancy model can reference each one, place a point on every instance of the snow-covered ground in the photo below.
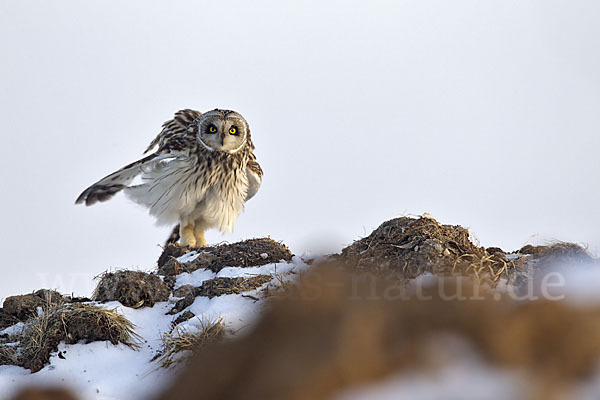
(100, 370)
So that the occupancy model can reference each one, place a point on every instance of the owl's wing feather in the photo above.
(173, 139)
(254, 174)
(111, 184)
(174, 127)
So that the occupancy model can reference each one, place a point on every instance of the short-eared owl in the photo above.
(202, 173)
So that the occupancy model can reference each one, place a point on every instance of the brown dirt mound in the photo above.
(6, 319)
(131, 288)
(25, 306)
(249, 253)
(216, 287)
(220, 286)
(339, 330)
(561, 253)
(407, 247)
(71, 323)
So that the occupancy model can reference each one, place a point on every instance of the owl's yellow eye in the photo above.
(212, 129)
(233, 130)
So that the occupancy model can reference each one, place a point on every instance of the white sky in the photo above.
(482, 113)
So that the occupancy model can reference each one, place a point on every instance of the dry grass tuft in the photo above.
(484, 266)
(8, 355)
(184, 340)
(72, 323)
(281, 285)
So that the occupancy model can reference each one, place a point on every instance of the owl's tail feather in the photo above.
(108, 186)
(173, 237)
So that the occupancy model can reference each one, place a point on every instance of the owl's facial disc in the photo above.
(222, 131)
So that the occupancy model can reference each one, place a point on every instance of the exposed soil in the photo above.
(185, 316)
(6, 319)
(25, 306)
(341, 329)
(407, 247)
(171, 251)
(561, 253)
(184, 290)
(131, 288)
(249, 253)
(216, 287)
(220, 286)
(184, 303)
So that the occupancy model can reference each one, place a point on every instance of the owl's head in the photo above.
(222, 130)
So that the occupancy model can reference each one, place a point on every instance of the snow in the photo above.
(12, 330)
(193, 278)
(100, 370)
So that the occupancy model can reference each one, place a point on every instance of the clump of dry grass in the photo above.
(8, 355)
(72, 323)
(182, 340)
(484, 266)
(281, 285)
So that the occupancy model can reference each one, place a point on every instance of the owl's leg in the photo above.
(199, 228)
(200, 240)
(186, 233)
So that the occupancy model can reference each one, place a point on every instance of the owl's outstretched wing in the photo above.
(173, 140)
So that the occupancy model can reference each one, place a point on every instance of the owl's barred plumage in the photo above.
(202, 173)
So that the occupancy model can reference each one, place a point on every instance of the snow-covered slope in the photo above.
(100, 370)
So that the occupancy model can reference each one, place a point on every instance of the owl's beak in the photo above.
(222, 137)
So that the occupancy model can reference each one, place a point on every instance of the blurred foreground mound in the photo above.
(335, 330)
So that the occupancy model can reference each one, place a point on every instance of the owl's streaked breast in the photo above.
(212, 186)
